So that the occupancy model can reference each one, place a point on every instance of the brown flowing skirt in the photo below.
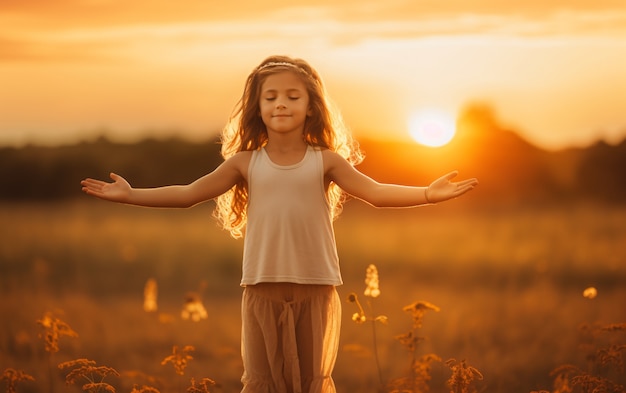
(290, 337)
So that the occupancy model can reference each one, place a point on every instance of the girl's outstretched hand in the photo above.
(443, 188)
(118, 191)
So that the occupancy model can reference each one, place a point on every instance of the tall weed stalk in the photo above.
(417, 379)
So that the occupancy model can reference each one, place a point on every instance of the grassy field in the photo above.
(509, 283)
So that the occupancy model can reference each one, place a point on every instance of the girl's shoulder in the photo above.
(332, 159)
(330, 154)
(239, 157)
(246, 154)
(240, 161)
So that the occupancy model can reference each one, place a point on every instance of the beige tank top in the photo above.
(289, 234)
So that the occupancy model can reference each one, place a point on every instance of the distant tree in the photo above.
(602, 173)
(51, 173)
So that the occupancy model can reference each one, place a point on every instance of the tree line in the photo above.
(510, 169)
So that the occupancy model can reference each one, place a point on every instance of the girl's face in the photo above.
(284, 103)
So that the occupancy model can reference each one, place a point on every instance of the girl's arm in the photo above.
(210, 186)
(360, 186)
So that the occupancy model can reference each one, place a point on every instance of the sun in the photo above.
(432, 127)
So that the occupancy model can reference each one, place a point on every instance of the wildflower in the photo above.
(382, 319)
(420, 367)
(421, 306)
(371, 290)
(417, 310)
(150, 296)
(612, 355)
(590, 293)
(88, 370)
(179, 359)
(202, 386)
(193, 308)
(144, 389)
(371, 281)
(98, 386)
(419, 377)
(567, 377)
(54, 328)
(358, 317)
(12, 377)
(410, 340)
(462, 376)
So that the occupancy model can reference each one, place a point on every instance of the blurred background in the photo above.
(531, 99)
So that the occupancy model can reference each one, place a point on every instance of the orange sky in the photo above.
(72, 68)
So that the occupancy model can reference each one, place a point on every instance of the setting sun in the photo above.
(431, 127)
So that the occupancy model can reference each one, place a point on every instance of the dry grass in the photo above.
(509, 284)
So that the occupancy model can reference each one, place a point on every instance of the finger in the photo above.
(93, 183)
(467, 182)
(92, 192)
(88, 191)
(450, 176)
(89, 181)
(462, 190)
(114, 176)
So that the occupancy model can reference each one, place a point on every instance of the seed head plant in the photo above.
(419, 374)
(202, 386)
(605, 364)
(53, 329)
(463, 376)
(144, 389)
(179, 358)
(87, 370)
(417, 311)
(12, 377)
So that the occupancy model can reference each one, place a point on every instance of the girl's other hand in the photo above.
(118, 191)
(443, 188)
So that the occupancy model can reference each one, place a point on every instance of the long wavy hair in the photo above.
(245, 131)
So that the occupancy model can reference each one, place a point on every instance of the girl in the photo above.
(288, 161)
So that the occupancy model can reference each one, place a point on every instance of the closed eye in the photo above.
(273, 98)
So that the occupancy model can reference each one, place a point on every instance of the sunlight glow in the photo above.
(432, 127)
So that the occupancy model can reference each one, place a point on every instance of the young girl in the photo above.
(288, 159)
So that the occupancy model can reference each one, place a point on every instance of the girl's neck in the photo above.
(285, 151)
(285, 143)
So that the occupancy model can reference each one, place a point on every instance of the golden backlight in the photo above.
(432, 127)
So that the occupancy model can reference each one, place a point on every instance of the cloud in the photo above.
(299, 30)
(45, 50)
(296, 26)
(442, 51)
(59, 14)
